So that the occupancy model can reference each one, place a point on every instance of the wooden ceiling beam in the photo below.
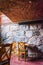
(18, 10)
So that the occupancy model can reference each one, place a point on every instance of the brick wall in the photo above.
(32, 34)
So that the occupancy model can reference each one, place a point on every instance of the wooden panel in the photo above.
(19, 10)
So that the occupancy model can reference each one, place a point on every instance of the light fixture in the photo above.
(30, 1)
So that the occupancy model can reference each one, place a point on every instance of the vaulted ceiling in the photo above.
(22, 10)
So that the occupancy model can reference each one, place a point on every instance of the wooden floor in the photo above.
(14, 61)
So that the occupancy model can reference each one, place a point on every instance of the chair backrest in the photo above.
(14, 48)
(21, 46)
(14, 45)
(5, 51)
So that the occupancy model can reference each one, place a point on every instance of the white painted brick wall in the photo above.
(32, 34)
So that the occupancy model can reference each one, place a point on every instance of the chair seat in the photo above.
(23, 52)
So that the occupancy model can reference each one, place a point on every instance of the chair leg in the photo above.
(19, 55)
(25, 53)
(25, 56)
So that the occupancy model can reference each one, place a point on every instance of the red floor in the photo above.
(15, 61)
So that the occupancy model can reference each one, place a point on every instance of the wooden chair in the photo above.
(5, 54)
(21, 50)
(33, 52)
(14, 48)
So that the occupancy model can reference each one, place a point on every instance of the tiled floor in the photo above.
(15, 61)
